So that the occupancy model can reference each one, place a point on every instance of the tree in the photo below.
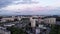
(15, 30)
(0, 17)
(55, 29)
(15, 19)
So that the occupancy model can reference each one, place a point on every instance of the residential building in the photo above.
(7, 19)
(33, 22)
(50, 20)
(4, 31)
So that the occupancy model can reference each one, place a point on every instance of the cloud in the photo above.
(54, 3)
(32, 7)
(26, 2)
(29, 9)
(4, 3)
(29, 6)
(19, 7)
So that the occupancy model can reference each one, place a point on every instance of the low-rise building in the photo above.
(7, 19)
(4, 31)
(8, 25)
(50, 20)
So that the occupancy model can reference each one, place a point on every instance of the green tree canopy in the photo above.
(15, 30)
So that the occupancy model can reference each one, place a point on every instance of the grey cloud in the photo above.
(29, 12)
(4, 3)
(25, 2)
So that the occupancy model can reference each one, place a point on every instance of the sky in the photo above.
(29, 7)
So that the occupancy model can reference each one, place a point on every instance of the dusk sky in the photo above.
(30, 7)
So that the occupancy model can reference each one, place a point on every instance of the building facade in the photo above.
(50, 20)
